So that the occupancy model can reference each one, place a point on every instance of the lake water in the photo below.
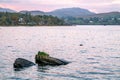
(97, 59)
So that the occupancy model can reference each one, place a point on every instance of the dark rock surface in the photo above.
(21, 63)
(47, 60)
(81, 44)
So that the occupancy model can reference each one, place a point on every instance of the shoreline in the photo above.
(60, 26)
(54, 25)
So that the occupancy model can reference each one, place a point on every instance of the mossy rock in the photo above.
(42, 54)
(42, 58)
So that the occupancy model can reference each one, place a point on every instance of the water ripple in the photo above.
(97, 59)
(95, 73)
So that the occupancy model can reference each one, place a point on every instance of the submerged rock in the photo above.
(43, 58)
(21, 63)
(81, 44)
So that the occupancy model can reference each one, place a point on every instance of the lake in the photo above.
(97, 59)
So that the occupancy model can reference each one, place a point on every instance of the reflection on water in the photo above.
(42, 68)
(97, 59)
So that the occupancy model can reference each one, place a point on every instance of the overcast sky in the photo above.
(98, 6)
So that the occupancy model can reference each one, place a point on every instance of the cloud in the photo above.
(109, 8)
(8, 1)
(99, 6)
(48, 5)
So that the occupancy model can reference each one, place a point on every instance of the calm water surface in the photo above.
(97, 59)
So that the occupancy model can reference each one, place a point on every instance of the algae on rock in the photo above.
(42, 58)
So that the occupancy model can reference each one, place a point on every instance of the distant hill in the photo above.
(102, 15)
(65, 12)
(7, 10)
(111, 18)
(33, 12)
(75, 16)
(74, 12)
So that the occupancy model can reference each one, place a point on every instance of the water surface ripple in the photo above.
(98, 58)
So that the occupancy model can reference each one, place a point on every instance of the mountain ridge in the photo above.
(63, 12)
(7, 10)
(75, 11)
(35, 12)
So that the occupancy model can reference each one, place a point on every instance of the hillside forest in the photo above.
(18, 19)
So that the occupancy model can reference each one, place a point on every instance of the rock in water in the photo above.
(21, 63)
(81, 44)
(43, 58)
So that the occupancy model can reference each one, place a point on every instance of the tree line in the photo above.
(18, 19)
(111, 20)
